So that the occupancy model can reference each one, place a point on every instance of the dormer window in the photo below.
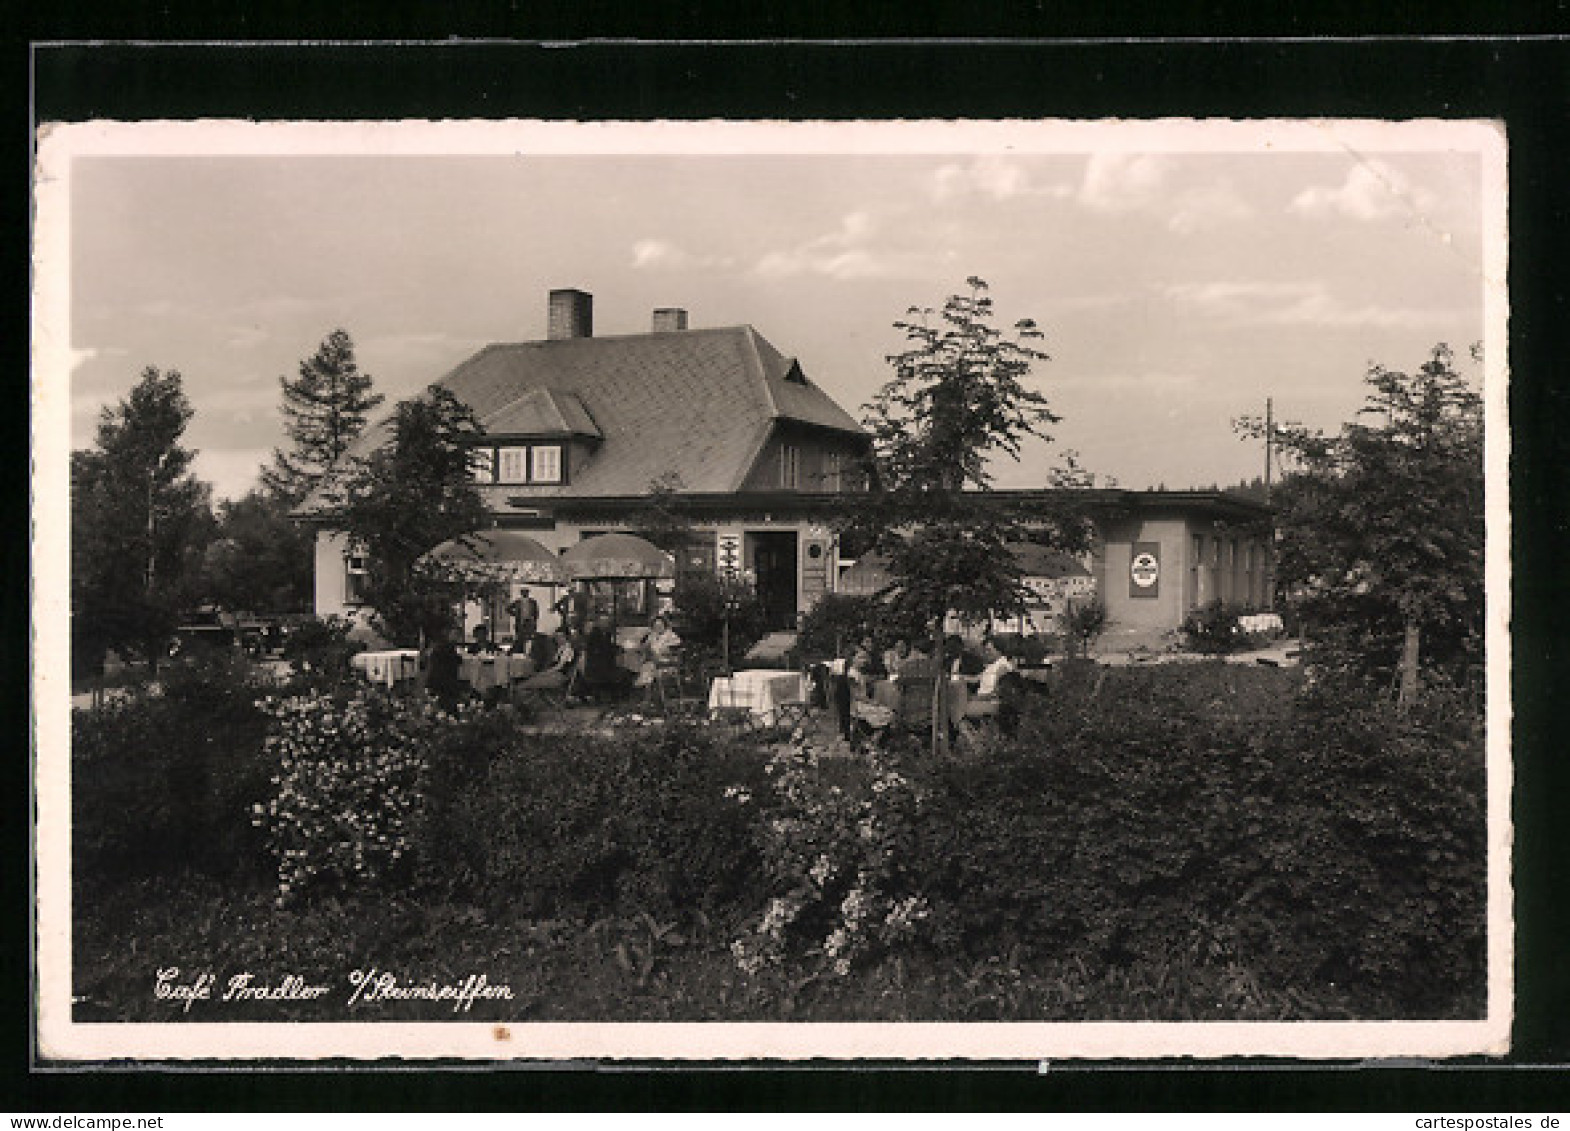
(516, 464)
(794, 374)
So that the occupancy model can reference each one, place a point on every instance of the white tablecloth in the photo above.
(762, 692)
(497, 670)
(387, 667)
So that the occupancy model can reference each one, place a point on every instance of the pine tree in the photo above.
(414, 492)
(325, 409)
(135, 511)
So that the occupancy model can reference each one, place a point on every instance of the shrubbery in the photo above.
(319, 651)
(1198, 815)
(166, 779)
(1083, 622)
(1220, 821)
(589, 825)
(710, 609)
(1214, 629)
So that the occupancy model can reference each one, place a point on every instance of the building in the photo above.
(578, 429)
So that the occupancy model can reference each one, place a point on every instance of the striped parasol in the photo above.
(617, 557)
(500, 556)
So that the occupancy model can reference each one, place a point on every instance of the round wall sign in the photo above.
(1144, 570)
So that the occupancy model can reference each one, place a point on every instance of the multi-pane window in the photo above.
(357, 576)
(790, 465)
(512, 465)
(545, 463)
(519, 463)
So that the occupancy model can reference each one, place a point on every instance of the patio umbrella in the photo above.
(868, 577)
(617, 557)
(501, 556)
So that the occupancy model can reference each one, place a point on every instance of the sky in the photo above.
(1179, 282)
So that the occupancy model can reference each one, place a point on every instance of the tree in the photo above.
(135, 513)
(1380, 544)
(259, 559)
(958, 399)
(413, 493)
(662, 520)
(325, 409)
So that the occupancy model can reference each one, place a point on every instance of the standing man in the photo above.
(525, 613)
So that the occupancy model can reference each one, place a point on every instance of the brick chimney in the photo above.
(668, 319)
(571, 315)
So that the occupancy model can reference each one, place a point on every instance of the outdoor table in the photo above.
(762, 691)
(387, 667)
(498, 669)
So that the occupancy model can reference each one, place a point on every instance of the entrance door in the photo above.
(774, 562)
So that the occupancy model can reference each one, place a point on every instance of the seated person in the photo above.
(916, 664)
(540, 649)
(440, 665)
(482, 644)
(558, 670)
(894, 657)
(602, 670)
(659, 648)
(866, 709)
(987, 695)
(859, 670)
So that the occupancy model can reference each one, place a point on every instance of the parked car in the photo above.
(256, 634)
(206, 628)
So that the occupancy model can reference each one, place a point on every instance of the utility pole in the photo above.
(1270, 440)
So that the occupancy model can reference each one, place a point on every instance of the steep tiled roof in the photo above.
(696, 403)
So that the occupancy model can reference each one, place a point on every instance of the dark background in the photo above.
(587, 61)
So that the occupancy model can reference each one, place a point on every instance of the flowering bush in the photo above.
(834, 848)
(350, 786)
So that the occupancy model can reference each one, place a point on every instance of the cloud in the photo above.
(995, 178)
(1123, 182)
(1304, 303)
(842, 254)
(1371, 191)
(662, 255)
(1144, 183)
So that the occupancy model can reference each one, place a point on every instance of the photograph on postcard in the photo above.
(951, 589)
